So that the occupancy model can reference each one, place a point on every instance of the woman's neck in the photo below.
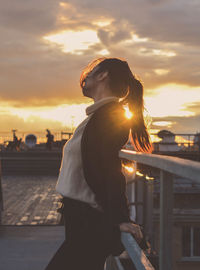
(102, 93)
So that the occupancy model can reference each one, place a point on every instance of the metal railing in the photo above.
(136, 254)
(168, 166)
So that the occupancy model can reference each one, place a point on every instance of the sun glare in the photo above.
(68, 115)
(128, 169)
(171, 100)
(128, 113)
(74, 42)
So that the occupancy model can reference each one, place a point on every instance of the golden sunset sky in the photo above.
(45, 45)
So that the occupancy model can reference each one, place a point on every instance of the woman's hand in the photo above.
(133, 229)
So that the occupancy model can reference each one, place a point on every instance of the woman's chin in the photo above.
(86, 92)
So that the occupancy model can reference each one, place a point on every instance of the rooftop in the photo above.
(28, 247)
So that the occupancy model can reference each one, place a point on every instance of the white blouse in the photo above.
(71, 181)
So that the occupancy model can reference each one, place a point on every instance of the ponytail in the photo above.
(134, 99)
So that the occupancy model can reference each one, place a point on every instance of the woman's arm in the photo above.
(105, 134)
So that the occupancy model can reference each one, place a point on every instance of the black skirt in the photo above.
(88, 238)
(83, 219)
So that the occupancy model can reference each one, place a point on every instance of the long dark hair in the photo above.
(126, 86)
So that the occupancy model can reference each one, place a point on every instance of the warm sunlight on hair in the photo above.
(128, 113)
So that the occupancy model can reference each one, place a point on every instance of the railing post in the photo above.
(166, 220)
(148, 224)
(140, 201)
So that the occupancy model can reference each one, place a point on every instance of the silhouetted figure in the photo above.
(50, 139)
(15, 144)
(15, 139)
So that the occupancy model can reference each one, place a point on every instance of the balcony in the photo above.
(16, 242)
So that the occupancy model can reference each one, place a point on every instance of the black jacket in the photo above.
(104, 135)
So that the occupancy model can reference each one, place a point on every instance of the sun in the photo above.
(128, 114)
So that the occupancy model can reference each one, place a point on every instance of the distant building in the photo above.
(197, 141)
(186, 227)
(168, 143)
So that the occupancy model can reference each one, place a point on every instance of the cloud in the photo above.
(35, 72)
(9, 122)
(181, 124)
(63, 117)
(165, 21)
(194, 107)
(32, 18)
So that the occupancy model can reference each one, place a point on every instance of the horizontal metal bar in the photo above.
(179, 134)
(182, 167)
(28, 158)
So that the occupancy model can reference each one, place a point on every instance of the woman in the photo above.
(90, 180)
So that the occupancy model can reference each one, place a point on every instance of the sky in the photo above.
(45, 45)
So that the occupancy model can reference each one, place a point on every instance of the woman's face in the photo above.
(90, 83)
